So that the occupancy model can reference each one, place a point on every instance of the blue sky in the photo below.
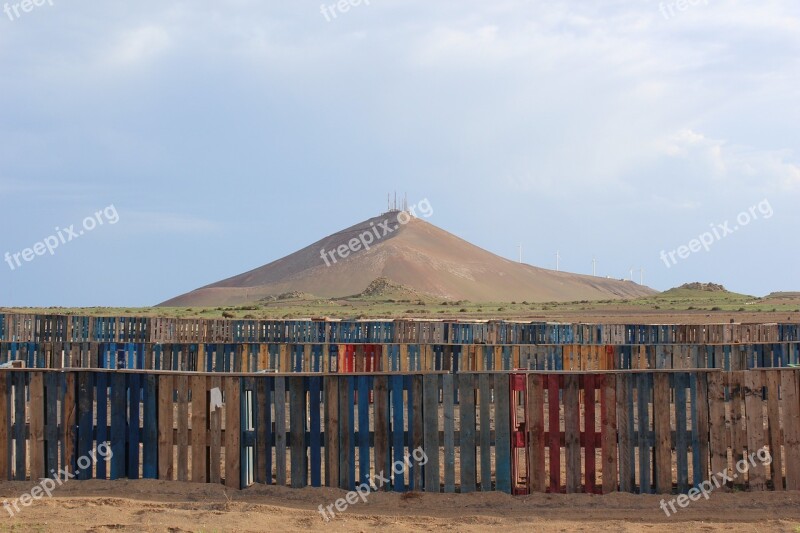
(228, 134)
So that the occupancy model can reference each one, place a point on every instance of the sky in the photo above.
(203, 139)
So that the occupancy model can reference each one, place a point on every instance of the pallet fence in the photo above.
(640, 431)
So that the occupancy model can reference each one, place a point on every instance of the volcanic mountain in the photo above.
(416, 255)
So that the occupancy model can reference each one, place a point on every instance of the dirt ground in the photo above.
(155, 506)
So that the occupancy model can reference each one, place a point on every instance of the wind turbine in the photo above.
(594, 266)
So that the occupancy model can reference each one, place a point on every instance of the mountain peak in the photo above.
(408, 252)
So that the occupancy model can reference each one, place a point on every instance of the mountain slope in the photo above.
(417, 255)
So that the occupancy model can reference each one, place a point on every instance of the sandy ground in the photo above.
(98, 506)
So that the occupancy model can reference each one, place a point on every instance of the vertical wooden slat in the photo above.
(755, 428)
(773, 415)
(448, 395)
(398, 484)
(681, 435)
(119, 417)
(535, 425)
(315, 430)
(215, 435)
(101, 388)
(663, 430)
(381, 424)
(589, 432)
(232, 432)
(718, 432)
(554, 443)
(182, 385)
(5, 443)
(466, 383)
(572, 431)
(485, 429)
(418, 423)
(165, 435)
(502, 399)
(331, 431)
(263, 447)
(37, 425)
(700, 409)
(134, 398)
(363, 429)
(624, 407)
(149, 428)
(280, 431)
(430, 388)
(608, 420)
(20, 422)
(345, 429)
(199, 428)
(790, 410)
(68, 422)
(297, 431)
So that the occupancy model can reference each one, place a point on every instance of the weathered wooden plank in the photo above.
(466, 385)
(625, 430)
(363, 429)
(590, 425)
(663, 431)
(572, 431)
(502, 451)
(149, 429)
(398, 484)
(700, 454)
(485, 429)
(448, 395)
(232, 432)
(297, 432)
(718, 431)
(315, 430)
(644, 389)
(773, 380)
(263, 448)
(199, 428)
(535, 424)
(681, 433)
(418, 437)
(215, 434)
(381, 424)
(430, 392)
(280, 431)
(346, 482)
(790, 411)
(119, 419)
(608, 421)
(165, 425)
(554, 443)
(134, 396)
(68, 423)
(755, 428)
(331, 431)
(5, 424)
(738, 433)
(20, 427)
(182, 385)
(101, 388)
(37, 464)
